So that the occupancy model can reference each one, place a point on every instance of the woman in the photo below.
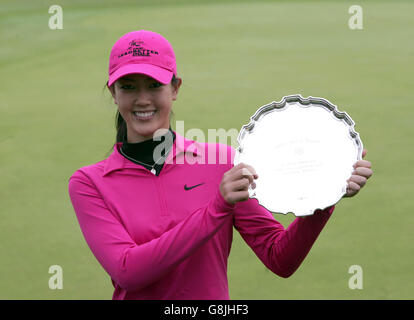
(161, 226)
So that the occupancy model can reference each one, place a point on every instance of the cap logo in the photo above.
(136, 49)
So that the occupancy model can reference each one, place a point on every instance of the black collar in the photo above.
(142, 152)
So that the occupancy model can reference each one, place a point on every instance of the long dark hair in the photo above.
(121, 127)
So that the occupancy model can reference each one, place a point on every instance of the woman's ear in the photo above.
(112, 90)
(175, 87)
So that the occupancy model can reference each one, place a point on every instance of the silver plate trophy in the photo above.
(303, 150)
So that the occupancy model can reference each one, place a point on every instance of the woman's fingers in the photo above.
(352, 189)
(235, 183)
(241, 184)
(362, 163)
(247, 170)
(363, 171)
(244, 171)
(359, 177)
(238, 196)
(359, 180)
(235, 191)
(364, 153)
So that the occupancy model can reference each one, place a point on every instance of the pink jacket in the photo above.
(157, 240)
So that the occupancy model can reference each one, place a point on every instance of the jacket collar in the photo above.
(116, 161)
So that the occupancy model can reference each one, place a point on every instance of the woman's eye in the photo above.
(155, 85)
(127, 87)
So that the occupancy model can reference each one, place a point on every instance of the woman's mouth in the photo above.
(144, 115)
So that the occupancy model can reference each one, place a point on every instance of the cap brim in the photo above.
(160, 74)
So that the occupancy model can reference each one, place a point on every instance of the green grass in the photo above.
(233, 57)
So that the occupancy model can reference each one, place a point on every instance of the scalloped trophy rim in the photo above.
(303, 102)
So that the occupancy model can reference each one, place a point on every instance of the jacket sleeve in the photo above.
(281, 250)
(134, 266)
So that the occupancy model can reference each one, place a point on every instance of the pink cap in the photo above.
(143, 52)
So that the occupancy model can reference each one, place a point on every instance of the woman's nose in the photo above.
(142, 98)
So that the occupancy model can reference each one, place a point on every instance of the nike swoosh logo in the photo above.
(192, 187)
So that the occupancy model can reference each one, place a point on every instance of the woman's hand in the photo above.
(235, 183)
(359, 177)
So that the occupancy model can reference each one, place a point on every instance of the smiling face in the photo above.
(144, 103)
